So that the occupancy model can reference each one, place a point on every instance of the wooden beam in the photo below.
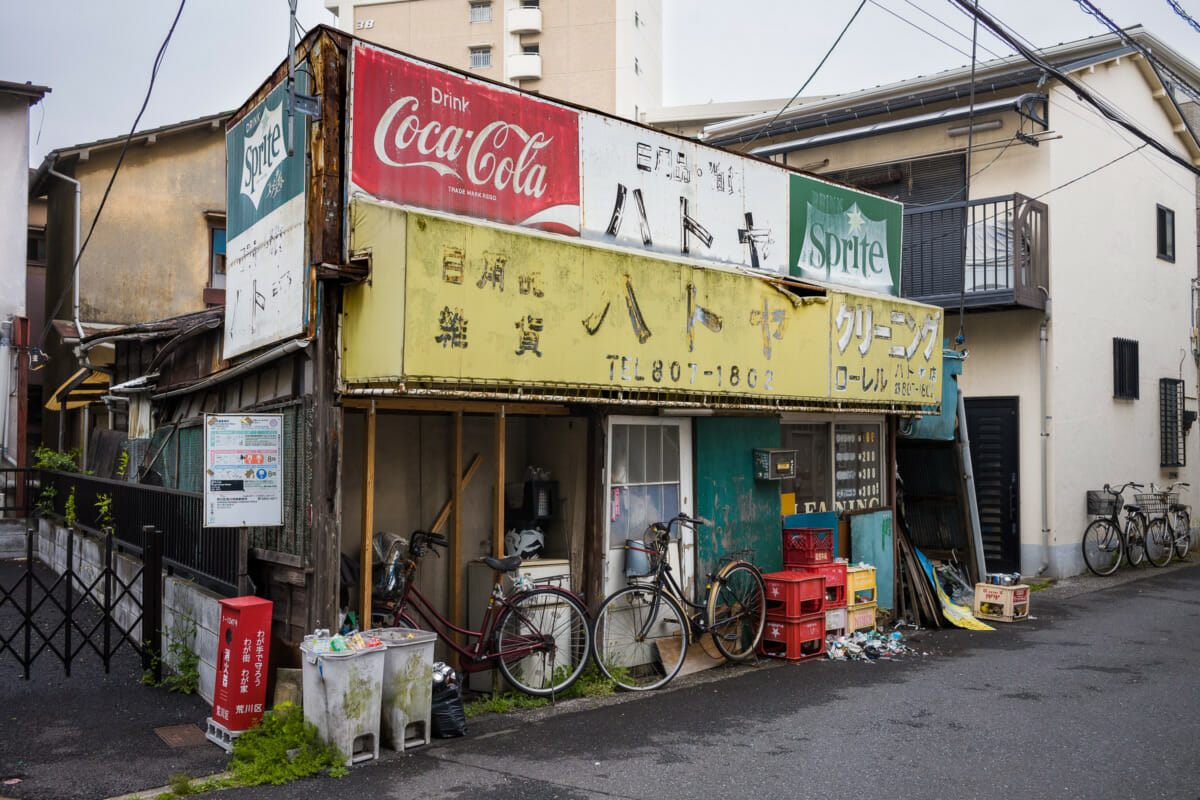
(456, 406)
(444, 514)
(456, 527)
(366, 556)
(498, 520)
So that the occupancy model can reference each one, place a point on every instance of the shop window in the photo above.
(644, 478)
(839, 467)
(1165, 219)
(1125, 369)
(811, 486)
(1170, 423)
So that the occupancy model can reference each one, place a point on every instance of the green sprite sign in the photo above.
(844, 237)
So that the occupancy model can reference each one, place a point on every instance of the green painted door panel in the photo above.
(745, 512)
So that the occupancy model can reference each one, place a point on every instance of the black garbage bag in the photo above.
(446, 709)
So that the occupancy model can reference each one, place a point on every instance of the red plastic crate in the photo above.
(793, 639)
(807, 545)
(794, 594)
(835, 580)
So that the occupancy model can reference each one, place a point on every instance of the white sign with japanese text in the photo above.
(243, 470)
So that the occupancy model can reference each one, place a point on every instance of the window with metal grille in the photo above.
(1125, 369)
(481, 57)
(1165, 219)
(481, 12)
(1170, 422)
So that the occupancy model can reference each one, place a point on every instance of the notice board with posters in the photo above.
(243, 470)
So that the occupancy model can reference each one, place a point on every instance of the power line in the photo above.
(1079, 88)
(1078, 178)
(912, 24)
(950, 27)
(828, 53)
(1099, 15)
(75, 266)
(1187, 17)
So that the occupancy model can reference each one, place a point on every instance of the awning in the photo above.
(83, 388)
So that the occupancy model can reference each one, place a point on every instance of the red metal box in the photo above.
(794, 594)
(240, 694)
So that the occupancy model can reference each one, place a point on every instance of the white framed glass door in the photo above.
(648, 479)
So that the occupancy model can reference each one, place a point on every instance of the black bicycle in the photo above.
(1106, 542)
(642, 632)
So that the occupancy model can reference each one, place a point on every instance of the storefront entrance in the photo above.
(648, 479)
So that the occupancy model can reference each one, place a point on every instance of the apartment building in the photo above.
(603, 54)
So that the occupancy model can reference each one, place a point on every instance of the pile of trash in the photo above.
(867, 646)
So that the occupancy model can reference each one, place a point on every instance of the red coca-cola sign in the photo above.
(428, 137)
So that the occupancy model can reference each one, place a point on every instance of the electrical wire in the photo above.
(828, 53)
(1091, 10)
(1105, 108)
(912, 24)
(1183, 14)
(950, 27)
(125, 147)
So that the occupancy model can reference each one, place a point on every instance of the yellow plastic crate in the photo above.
(860, 584)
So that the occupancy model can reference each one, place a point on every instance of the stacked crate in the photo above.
(860, 598)
(809, 551)
(797, 598)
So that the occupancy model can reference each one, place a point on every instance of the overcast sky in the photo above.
(97, 56)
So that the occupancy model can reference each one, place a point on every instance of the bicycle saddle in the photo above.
(1133, 507)
(502, 564)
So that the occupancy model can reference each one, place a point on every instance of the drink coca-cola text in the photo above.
(489, 156)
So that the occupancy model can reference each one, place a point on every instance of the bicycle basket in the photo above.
(1100, 503)
(1155, 504)
(640, 559)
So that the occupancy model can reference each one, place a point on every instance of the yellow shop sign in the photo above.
(452, 303)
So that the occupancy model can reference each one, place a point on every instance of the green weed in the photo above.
(281, 748)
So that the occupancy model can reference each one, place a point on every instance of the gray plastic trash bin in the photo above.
(343, 694)
(407, 686)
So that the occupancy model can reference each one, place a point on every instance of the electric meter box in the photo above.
(774, 464)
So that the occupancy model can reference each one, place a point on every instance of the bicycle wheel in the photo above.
(1181, 528)
(1102, 547)
(555, 624)
(1135, 540)
(1159, 546)
(641, 638)
(737, 610)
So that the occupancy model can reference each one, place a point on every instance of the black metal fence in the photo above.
(214, 557)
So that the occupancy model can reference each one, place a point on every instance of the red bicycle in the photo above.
(538, 636)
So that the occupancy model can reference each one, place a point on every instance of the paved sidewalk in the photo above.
(93, 735)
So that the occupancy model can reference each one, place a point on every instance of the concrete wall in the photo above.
(183, 600)
(14, 191)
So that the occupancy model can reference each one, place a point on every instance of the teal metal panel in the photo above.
(745, 512)
(941, 426)
(871, 542)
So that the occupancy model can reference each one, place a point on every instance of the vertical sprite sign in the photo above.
(243, 470)
(267, 278)
(844, 237)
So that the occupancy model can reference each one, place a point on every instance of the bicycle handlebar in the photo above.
(1110, 490)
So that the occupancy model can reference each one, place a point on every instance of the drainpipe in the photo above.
(1044, 382)
(75, 275)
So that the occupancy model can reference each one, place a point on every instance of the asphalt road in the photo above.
(1096, 697)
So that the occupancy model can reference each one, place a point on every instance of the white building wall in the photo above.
(1106, 282)
(14, 231)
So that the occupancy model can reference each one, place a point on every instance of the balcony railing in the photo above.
(1004, 261)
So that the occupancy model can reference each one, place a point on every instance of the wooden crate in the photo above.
(1001, 603)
